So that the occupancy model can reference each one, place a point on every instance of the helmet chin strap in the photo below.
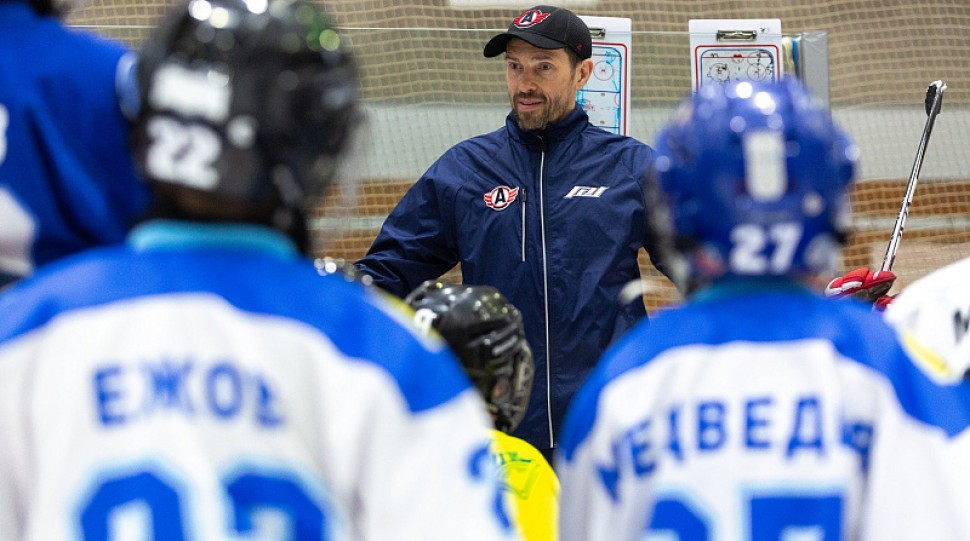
(290, 217)
(292, 221)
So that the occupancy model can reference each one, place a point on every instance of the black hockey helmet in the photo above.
(248, 102)
(485, 331)
(57, 8)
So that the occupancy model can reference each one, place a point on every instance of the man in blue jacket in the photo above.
(548, 209)
(67, 181)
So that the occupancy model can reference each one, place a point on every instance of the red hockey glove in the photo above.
(862, 284)
(882, 302)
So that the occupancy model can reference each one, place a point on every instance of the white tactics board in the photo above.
(731, 50)
(606, 97)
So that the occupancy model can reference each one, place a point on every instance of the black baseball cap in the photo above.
(545, 27)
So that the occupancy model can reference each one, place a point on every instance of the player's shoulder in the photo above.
(364, 326)
(865, 339)
(371, 327)
(932, 315)
(859, 341)
(721, 315)
(768, 318)
(65, 284)
(945, 283)
(854, 331)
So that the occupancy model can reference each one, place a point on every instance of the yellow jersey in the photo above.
(531, 486)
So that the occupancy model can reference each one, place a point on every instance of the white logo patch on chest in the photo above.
(585, 191)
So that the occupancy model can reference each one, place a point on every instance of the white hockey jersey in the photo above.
(770, 415)
(227, 391)
(935, 311)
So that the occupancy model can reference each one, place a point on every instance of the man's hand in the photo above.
(869, 286)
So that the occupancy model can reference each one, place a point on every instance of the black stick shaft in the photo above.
(934, 101)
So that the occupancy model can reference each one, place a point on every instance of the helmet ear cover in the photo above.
(485, 332)
(750, 181)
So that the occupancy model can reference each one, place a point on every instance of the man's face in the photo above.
(542, 83)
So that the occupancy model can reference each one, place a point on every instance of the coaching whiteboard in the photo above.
(606, 96)
(730, 50)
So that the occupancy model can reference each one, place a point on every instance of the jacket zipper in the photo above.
(545, 293)
(523, 222)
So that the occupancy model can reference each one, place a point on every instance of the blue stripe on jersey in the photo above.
(252, 280)
(775, 316)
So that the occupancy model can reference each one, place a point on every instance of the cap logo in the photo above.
(500, 198)
(530, 18)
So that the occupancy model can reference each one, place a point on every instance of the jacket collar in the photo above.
(574, 122)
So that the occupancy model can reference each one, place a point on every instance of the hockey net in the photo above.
(427, 86)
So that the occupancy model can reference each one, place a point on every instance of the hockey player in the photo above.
(202, 381)
(67, 182)
(485, 331)
(933, 314)
(759, 409)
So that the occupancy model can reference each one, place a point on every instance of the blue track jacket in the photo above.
(554, 219)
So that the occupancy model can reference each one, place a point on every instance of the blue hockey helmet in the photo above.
(253, 103)
(485, 331)
(750, 180)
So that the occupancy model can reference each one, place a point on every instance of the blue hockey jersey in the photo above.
(204, 382)
(773, 414)
(67, 181)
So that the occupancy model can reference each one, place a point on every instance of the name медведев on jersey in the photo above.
(760, 424)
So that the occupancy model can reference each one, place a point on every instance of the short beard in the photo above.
(554, 110)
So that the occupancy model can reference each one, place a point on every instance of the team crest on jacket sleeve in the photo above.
(500, 198)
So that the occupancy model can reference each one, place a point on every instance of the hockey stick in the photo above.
(933, 103)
